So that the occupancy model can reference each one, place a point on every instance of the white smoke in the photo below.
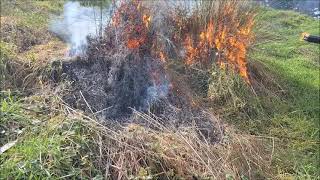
(157, 91)
(75, 24)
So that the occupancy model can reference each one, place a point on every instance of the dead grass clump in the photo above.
(23, 76)
(135, 151)
(13, 71)
(28, 70)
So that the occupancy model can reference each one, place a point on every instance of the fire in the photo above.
(223, 39)
(146, 20)
(116, 20)
(133, 22)
(199, 50)
(210, 34)
(229, 39)
(192, 52)
(162, 56)
(304, 35)
(135, 43)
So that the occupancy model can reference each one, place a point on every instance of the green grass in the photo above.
(295, 62)
(49, 145)
(25, 23)
(293, 116)
(31, 14)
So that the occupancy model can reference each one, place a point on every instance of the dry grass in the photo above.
(44, 53)
(140, 152)
(127, 151)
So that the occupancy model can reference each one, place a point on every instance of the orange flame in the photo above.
(146, 20)
(162, 56)
(192, 52)
(134, 23)
(224, 34)
(229, 38)
(304, 35)
(135, 43)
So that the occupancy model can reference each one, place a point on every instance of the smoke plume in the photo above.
(76, 24)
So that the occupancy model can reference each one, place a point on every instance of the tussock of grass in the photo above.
(48, 144)
(11, 121)
(7, 53)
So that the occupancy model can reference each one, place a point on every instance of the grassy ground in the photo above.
(52, 143)
(295, 64)
(287, 101)
(25, 38)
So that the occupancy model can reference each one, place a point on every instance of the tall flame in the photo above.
(229, 39)
(223, 39)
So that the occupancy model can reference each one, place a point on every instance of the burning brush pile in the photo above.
(127, 68)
